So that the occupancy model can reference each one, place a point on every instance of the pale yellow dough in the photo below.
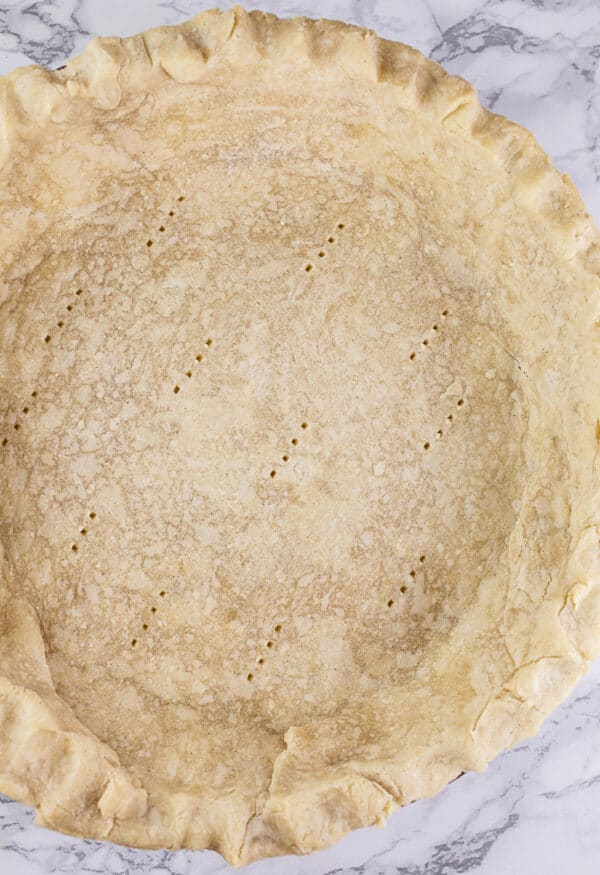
(300, 388)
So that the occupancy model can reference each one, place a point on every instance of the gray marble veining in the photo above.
(535, 809)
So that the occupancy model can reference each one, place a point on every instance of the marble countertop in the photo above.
(535, 809)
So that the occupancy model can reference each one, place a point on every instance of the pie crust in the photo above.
(300, 425)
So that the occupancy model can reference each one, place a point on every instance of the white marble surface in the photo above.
(537, 808)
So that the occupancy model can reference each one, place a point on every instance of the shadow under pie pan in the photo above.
(299, 480)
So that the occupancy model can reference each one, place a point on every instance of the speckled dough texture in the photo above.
(299, 452)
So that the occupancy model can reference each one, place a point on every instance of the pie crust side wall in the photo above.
(47, 758)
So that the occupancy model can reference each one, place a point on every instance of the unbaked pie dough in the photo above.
(300, 388)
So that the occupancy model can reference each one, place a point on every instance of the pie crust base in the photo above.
(353, 549)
